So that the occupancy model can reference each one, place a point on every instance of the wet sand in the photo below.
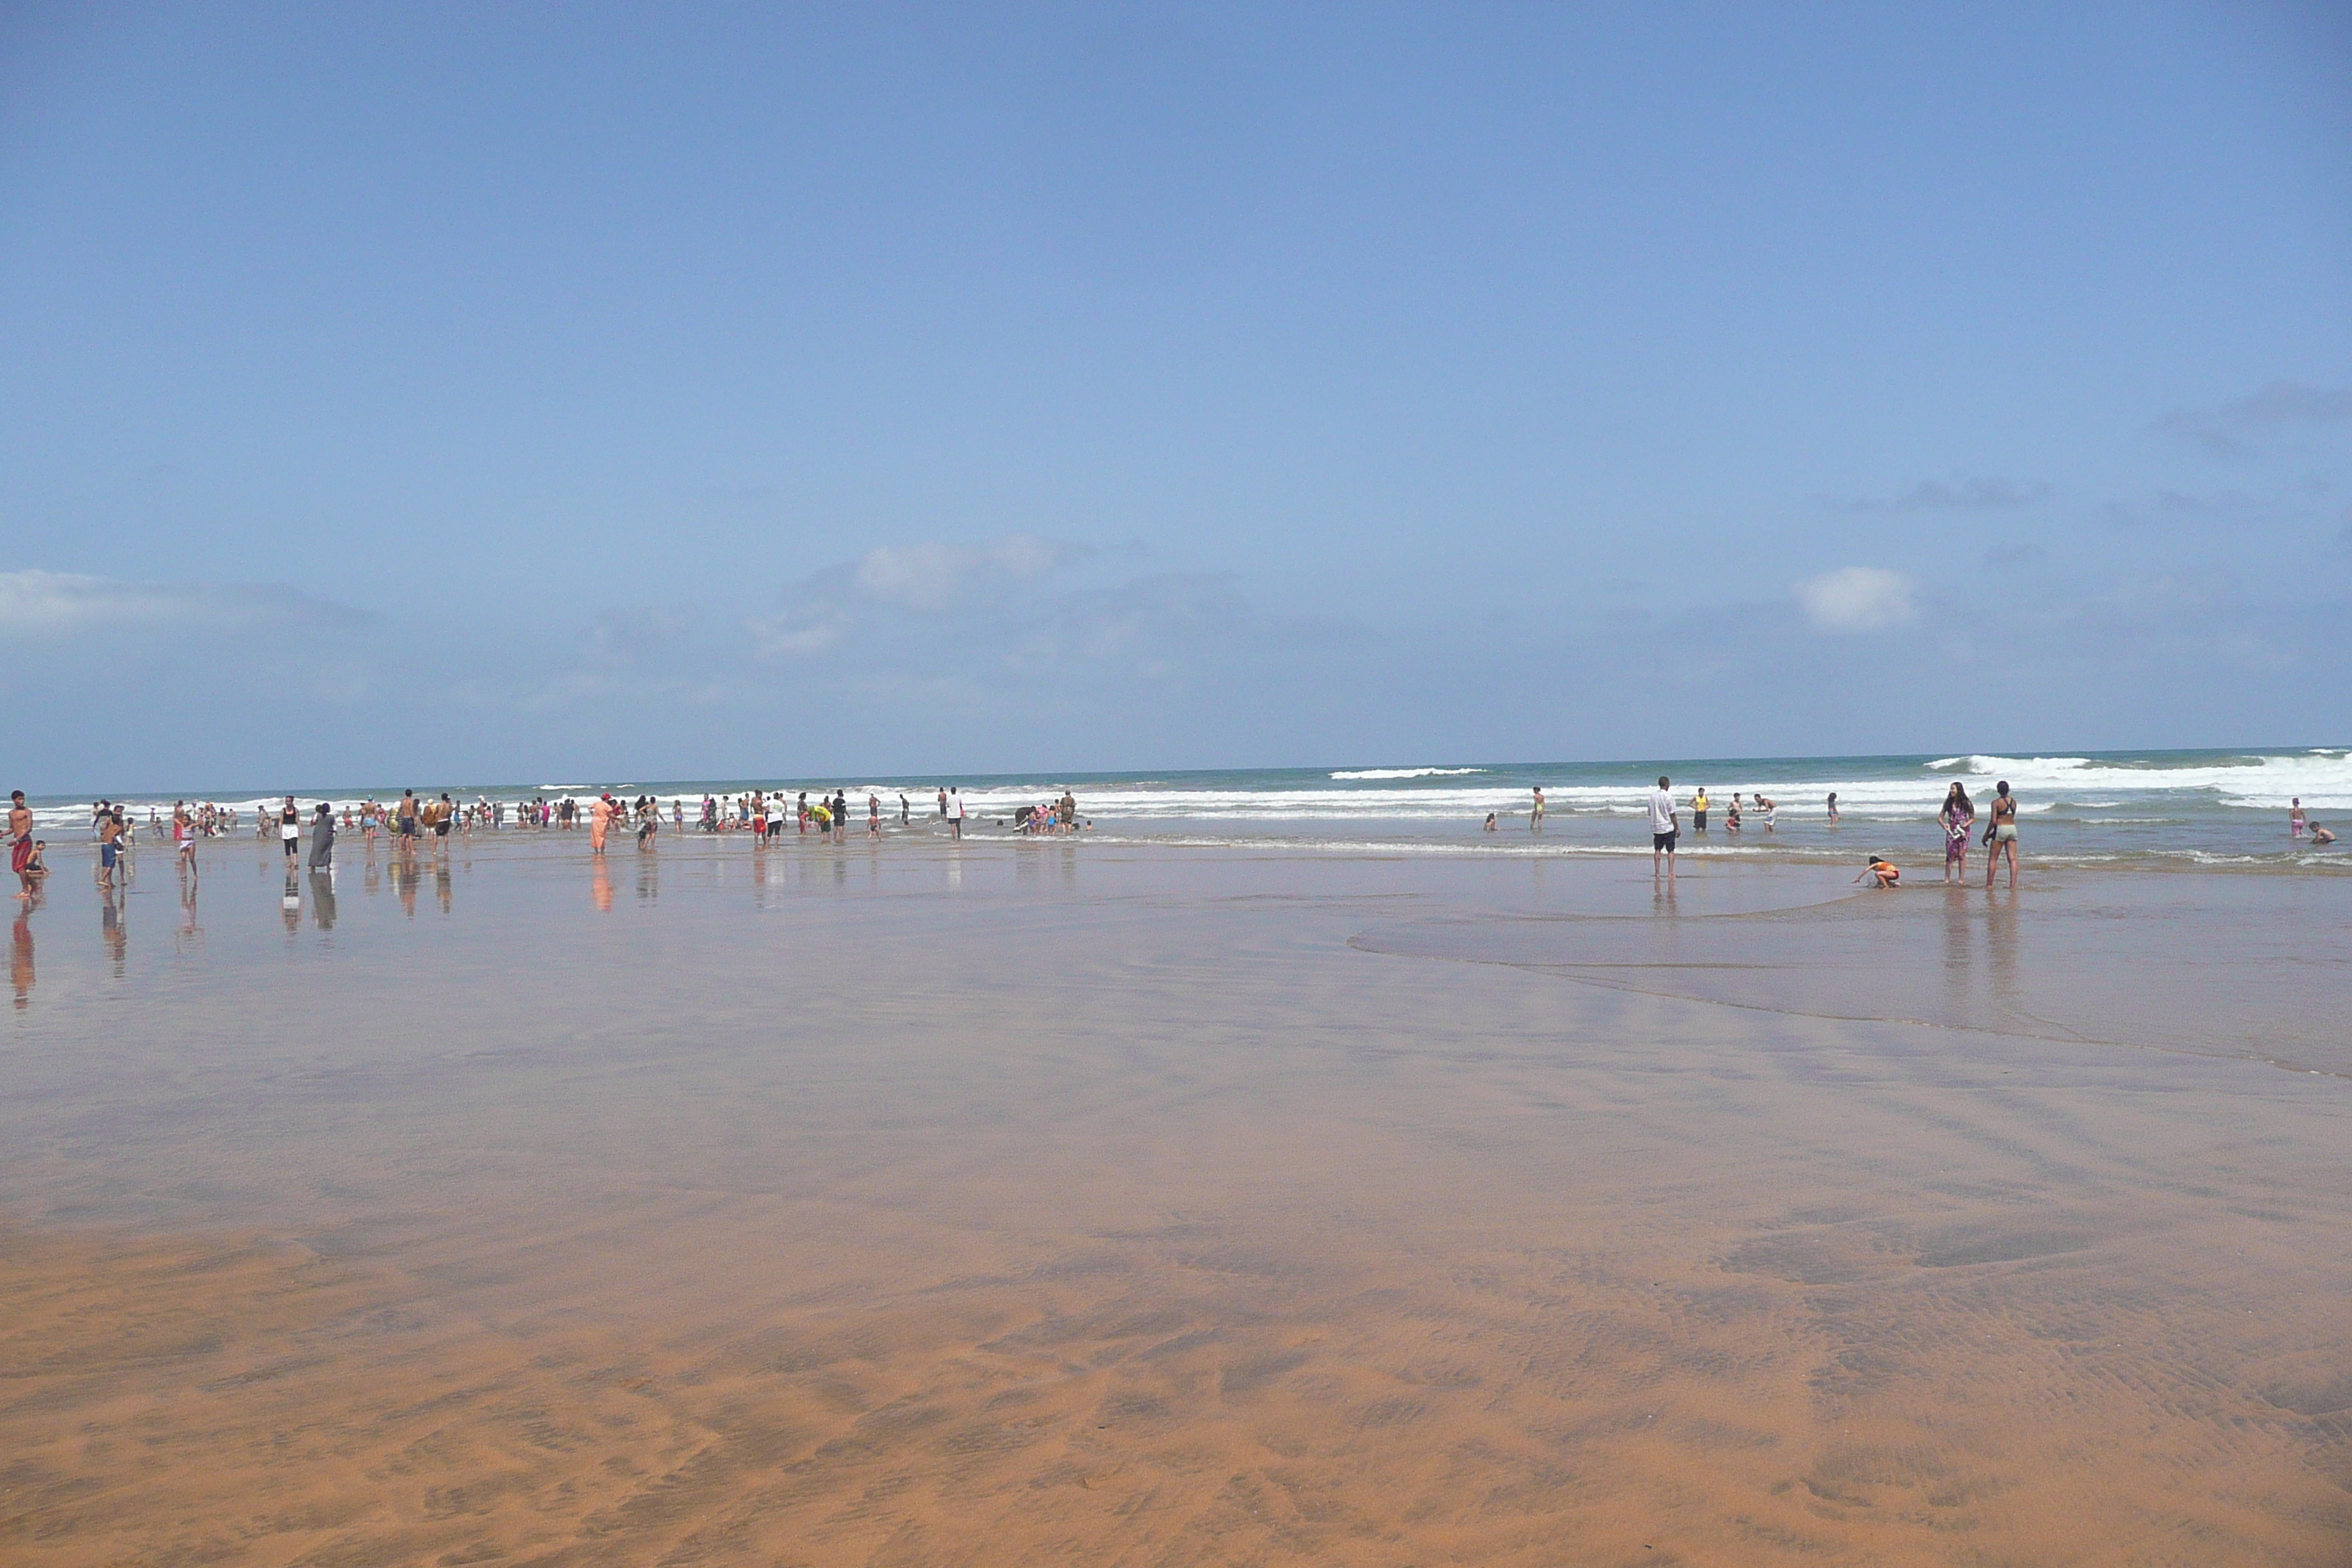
(1041, 1203)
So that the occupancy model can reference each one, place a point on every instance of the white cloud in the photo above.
(919, 576)
(931, 575)
(1026, 555)
(894, 589)
(1856, 599)
(52, 605)
(788, 635)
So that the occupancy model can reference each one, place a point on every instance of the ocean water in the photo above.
(2169, 809)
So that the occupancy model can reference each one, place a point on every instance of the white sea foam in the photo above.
(2322, 778)
(1404, 772)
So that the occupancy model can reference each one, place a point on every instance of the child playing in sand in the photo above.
(1883, 872)
(2321, 836)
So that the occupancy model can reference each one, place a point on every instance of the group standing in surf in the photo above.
(310, 831)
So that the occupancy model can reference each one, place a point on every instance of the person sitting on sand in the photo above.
(2320, 834)
(1882, 872)
(37, 864)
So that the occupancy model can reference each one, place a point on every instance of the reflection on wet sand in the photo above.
(20, 956)
(110, 932)
(1127, 1212)
(188, 935)
(2239, 966)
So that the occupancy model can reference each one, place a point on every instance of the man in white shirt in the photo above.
(1664, 827)
(955, 813)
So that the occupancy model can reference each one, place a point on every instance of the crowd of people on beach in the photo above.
(766, 816)
(1957, 816)
(1053, 816)
(308, 835)
(415, 819)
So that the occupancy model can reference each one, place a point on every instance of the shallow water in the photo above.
(1074, 1202)
(2197, 809)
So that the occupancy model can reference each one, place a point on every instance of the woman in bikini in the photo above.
(2004, 834)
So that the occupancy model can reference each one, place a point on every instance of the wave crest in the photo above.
(1405, 772)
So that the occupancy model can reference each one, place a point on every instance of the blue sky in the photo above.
(501, 392)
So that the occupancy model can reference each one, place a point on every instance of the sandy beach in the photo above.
(1056, 1201)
